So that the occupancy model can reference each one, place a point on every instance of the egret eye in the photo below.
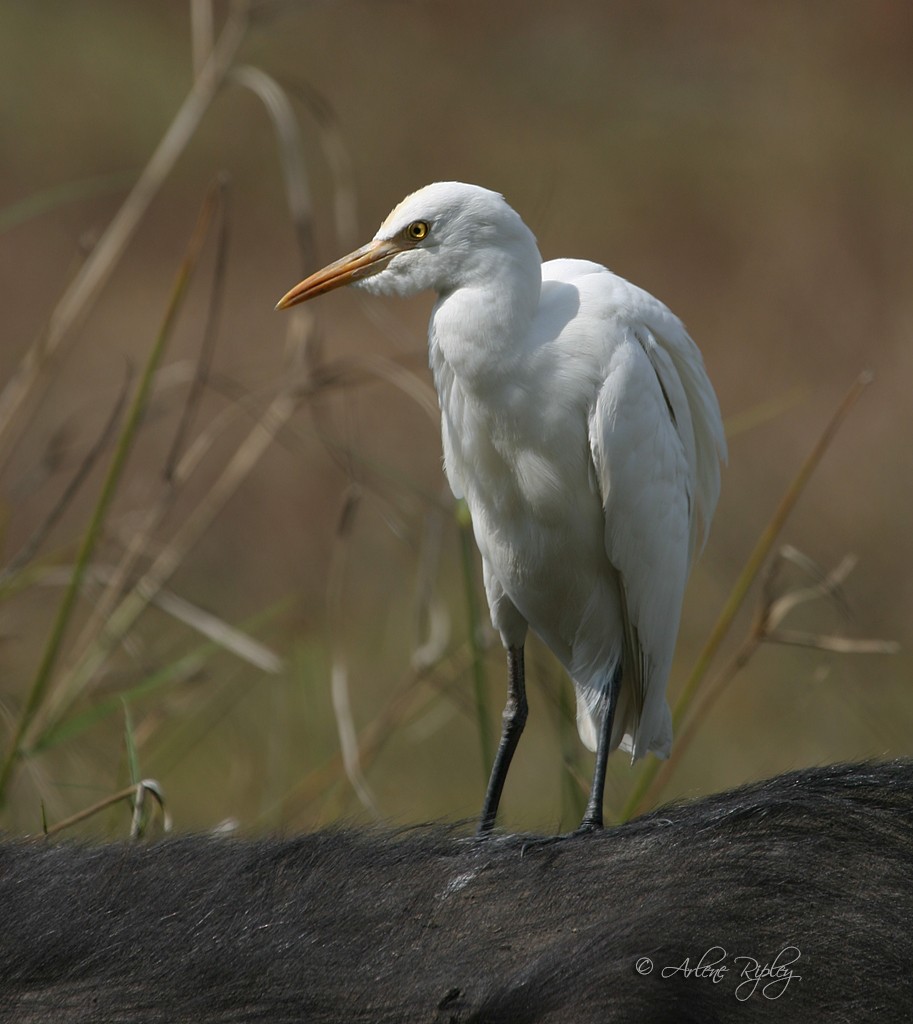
(417, 230)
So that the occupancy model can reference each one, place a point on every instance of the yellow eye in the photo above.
(417, 230)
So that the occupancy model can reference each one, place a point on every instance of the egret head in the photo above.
(443, 237)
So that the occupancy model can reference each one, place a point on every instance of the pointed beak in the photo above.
(368, 260)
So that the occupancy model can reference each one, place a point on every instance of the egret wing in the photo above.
(642, 452)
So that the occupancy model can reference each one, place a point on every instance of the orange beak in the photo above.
(364, 262)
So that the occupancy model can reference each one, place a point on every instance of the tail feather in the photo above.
(651, 734)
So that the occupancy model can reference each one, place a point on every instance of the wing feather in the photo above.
(642, 447)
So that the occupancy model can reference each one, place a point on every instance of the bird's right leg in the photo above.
(513, 720)
(592, 817)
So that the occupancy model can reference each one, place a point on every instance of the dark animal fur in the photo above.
(351, 926)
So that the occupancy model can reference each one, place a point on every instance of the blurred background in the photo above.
(277, 576)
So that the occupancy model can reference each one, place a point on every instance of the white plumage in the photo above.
(580, 426)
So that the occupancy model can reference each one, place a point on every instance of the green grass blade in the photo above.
(169, 675)
(130, 744)
(124, 444)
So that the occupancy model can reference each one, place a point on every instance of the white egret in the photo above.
(580, 426)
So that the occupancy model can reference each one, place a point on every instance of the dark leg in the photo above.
(513, 720)
(592, 817)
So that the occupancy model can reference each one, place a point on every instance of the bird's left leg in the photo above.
(513, 720)
(592, 817)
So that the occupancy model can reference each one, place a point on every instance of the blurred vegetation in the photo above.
(229, 560)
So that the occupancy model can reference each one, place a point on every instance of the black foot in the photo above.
(587, 826)
(541, 842)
